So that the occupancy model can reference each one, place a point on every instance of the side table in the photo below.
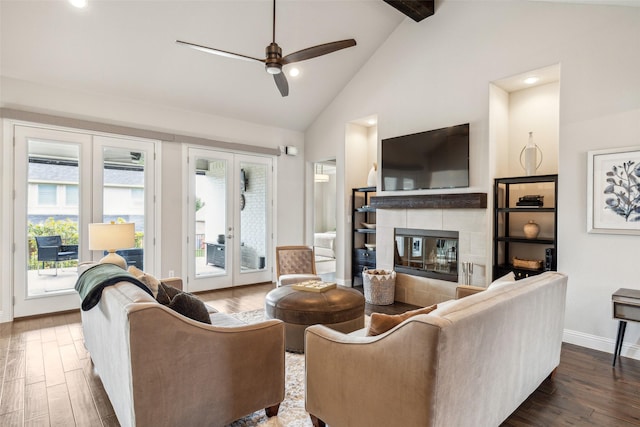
(626, 307)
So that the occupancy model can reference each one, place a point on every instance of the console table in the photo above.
(626, 307)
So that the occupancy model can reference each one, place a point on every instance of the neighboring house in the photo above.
(53, 192)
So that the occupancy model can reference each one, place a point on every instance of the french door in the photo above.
(230, 219)
(63, 181)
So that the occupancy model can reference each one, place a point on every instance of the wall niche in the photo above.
(527, 102)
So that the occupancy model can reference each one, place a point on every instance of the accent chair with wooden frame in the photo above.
(295, 264)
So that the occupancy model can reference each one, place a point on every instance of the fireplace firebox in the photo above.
(427, 253)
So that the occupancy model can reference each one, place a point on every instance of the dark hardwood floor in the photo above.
(47, 378)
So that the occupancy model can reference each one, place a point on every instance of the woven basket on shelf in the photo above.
(532, 264)
(379, 286)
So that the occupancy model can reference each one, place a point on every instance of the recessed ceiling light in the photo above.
(371, 121)
(294, 72)
(531, 80)
(79, 3)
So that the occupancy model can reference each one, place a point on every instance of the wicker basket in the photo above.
(532, 264)
(379, 286)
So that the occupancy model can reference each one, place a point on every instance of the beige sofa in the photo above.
(160, 368)
(471, 362)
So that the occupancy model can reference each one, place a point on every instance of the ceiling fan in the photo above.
(274, 60)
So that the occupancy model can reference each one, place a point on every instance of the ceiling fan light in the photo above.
(273, 68)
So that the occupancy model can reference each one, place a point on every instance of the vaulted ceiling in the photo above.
(127, 49)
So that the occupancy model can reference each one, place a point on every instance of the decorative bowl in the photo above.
(366, 225)
(370, 246)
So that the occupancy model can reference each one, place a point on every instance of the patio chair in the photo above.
(295, 264)
(51, 249)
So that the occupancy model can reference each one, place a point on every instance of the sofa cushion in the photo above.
(505, 280)
(381, 323)
(151, 282)
(183, 302)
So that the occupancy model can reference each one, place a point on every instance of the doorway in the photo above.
(230, 219)
(324, 218)
(64, 180)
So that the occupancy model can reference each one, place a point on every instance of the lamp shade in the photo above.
(111, 236)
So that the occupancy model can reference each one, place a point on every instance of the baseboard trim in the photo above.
(600, 343)
(5, 317)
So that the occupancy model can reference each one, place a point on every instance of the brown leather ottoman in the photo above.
(341, 309)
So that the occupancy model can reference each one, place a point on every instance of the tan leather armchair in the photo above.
(295, 264)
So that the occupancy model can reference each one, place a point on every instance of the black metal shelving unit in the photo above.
(362, 212)
(504, 242)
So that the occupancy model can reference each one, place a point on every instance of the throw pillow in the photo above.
(507, 279)
(381, 323)
(151, 282)
(166, 293)
(183, 302)
(190, 306)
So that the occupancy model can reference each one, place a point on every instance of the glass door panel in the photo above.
(123, 186)
(254, 209)
(48, 180)
(124, 189)
(210, 231)
(211, 217)
(52, 217)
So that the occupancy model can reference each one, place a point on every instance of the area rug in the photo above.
(292, 412)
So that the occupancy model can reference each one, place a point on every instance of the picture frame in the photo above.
(613, 191)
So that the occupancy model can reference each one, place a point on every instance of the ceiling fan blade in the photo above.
(218, 51)
(281, 82)
(315, 51)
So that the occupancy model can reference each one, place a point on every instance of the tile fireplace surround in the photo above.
(468, 218)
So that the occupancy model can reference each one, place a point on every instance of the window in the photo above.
(137, 195)
(71, 195)
(47, 194)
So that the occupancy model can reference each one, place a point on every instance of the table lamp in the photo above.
(111, 237)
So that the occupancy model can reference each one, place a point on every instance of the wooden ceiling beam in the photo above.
(414, 9)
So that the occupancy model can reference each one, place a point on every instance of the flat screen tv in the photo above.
(436, 158)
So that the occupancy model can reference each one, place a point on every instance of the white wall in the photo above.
(438, 72)
(102, 108)
(534, 110)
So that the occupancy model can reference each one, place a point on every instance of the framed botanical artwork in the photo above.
(613, 191)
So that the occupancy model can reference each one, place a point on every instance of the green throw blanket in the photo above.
(91, 283)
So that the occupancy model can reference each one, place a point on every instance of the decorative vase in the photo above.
(371, 179)
(530, 152)
(531, 230)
